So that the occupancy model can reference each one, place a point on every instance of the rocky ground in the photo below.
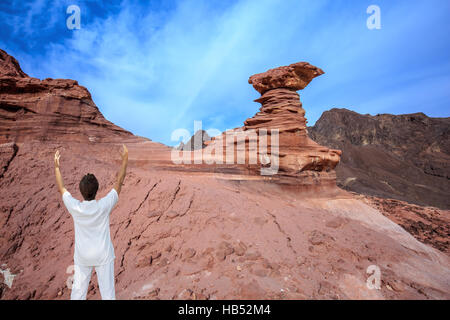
(429, 225)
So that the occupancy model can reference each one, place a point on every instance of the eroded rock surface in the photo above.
(282, 110)
(294, 77)
(289, 156)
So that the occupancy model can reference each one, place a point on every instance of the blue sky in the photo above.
(155, 66)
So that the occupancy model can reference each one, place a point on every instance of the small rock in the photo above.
(301, 260)
(252, 256)
(172, 214)
(155, 292)
(189, 253)
(224, 250)
(317, 238)
(240, 249)
(261, 272)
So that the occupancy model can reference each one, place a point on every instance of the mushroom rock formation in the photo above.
(299, 160)
(50, 109)
(294, 77)
(282, 110)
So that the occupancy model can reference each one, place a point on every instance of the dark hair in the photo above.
(89, 187)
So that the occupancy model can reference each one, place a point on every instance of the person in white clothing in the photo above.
(93, 246)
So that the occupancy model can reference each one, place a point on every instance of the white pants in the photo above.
(82, 277)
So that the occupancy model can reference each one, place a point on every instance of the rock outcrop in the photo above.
(293, 77)
(405, 157)
(48, 109)
(429, 225)
(275, 139)
(9, 67)
(282, 110)
(7, 153)
(198, 141)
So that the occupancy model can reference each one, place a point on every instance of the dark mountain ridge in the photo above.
(405, 157)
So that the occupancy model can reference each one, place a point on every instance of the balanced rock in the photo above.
(274, 142)
(294, 77)
(282, 110)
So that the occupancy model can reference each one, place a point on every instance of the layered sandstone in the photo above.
(9, 66)
(48, 109)
(288, 155)
(282, 110)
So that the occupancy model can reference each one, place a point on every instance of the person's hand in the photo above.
(123, 169)
(57, 156)
(124, 153)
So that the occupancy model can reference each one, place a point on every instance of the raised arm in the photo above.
(59, 180)
(123, 169)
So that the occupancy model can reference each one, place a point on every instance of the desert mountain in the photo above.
(405, 157)
(196, 142)
(197, 231)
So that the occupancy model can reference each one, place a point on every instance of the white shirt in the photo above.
(93, 246)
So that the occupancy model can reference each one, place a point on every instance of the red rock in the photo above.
(294, 77)
(240, 249)
(50, 109)
(7, 153)
(427, 224)
(299, 160)
(317, 238)
(9, 66)
(189, 253)
(281, 109)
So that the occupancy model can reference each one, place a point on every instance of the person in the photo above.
(93, 246)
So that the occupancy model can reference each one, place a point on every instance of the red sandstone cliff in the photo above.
(50, 109)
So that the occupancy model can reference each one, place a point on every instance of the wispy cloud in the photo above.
(158, 66)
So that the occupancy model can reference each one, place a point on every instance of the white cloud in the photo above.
(154, 70)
